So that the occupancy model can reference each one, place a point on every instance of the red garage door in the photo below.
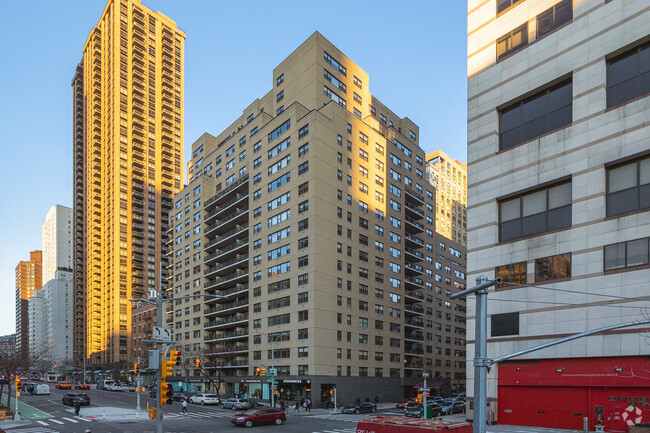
(553, 407)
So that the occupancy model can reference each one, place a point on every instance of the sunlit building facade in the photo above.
(29, 279)
(128, 150)
(449, 177)
(558, 206)
(312, 217)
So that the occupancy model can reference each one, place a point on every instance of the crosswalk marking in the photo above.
(41, 423)
(56, 421)
(84, 419)
(70, 419)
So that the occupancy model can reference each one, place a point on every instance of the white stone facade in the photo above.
(581, 151)
(57, 241)
(57, 302)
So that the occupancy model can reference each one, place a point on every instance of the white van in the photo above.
(37, 388)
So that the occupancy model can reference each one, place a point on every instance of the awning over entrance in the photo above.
(97, 371)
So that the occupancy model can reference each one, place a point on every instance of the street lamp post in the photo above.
(159, 320)
(272, 340)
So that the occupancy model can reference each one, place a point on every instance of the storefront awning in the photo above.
(108, 371)
(97, 371)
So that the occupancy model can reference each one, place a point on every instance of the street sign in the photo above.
(269, 373)
(424, 389)
(160, 333)
(426, 394)
(273, 371)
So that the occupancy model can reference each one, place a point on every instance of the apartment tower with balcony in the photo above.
(311, 217)
(29, 279)
(449, 177)
(558, 205)
(128, 150)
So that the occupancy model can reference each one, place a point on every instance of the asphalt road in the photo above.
(199, 418)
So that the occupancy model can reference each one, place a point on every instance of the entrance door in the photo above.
(614, 421)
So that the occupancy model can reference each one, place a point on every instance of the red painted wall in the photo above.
(537, 393)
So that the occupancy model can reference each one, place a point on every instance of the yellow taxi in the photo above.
(63, 385)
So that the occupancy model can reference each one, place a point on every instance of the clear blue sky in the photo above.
(414, 51)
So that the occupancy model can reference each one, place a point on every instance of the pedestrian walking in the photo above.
(297, 407)
(184, 409)
(77, 407)
(308, 403)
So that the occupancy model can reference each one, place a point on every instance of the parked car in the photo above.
(82, 386)
(366, 406)
(458, 397)
(101, 384)
(451, 406)
(236, 403)
(204, 399)
(403, 403)
(81, 397)
(417, 410)
(264, 415)
(64, 385)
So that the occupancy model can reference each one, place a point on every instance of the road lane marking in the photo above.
(84, 419)
(70, 419)
(56, 421)
(42, 423)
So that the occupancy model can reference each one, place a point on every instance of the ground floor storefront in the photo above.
(558, 393)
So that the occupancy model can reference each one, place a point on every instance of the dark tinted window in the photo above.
(546, 111)
(512, 273)
(512, 41)
(627, 254)
(628, 75)
(505, 324)
(554, 17)
(553, 268)
(535, 212)
(505, 4)
(628, 187)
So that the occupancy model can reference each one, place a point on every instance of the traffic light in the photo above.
(166, 369)
(136, 368)
(198, 363)
(260, 371)
(165, 394)
(17, 381)
(175, 357)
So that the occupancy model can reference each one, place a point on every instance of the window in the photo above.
(628, 187)
(279, 252)
(273, 185)
(303, 168)
(277, 219)
(257, 146)
(279, 80)
(279, 201)
(303, 243)
(334, 97)
(303, 131)
(303, 352)
(535, 212)
(512, 41)
(303, 224)
(628, 75)
(279, 97)
(626, 254)
(502, 5)
(546, 111)
(303, 315)
(332, 79)
(281, 268)
(303, 279)
(279, 130)
(329, 59)
(553, 267)
(303, 261)
(279, 235)
(284, 162)
(512, 273)
(554, 17)
(357, 81)
(505, 324)
(363, 154)
(303, 297)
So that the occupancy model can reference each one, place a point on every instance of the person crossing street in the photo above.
(184, 409)
(77, 407)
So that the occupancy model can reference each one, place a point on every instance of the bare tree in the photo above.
(214, 361)
(12, 364)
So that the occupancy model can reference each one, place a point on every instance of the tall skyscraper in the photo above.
(128, 150)
(57, 241)
(559, 205)
(449, 177)
(311, 215)
(29, 279)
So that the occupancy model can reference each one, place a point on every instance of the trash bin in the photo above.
(427, 411)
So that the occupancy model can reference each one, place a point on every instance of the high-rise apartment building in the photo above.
(128, 149)
(558, 205)
(57, 241)
(37, 317)
(449, 177)
(29, 279)
(312, 217)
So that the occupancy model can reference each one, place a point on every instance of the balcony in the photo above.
(227, 322)
(220, 282)
(213, 244)
(223, 267)
(413, 241)
(414, 309)
(225, 253)
(238, 289)
(225, 206)
(414, 296)
(416, 336)
(414, 197)
(414, 322)
(412, 226)
(222, 196)
(411, 269)
(230, 307)
(413, 211)
(230, 335)
(417, 282)
(414, 255)
(232, 219)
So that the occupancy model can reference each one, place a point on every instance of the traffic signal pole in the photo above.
(159, 312)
